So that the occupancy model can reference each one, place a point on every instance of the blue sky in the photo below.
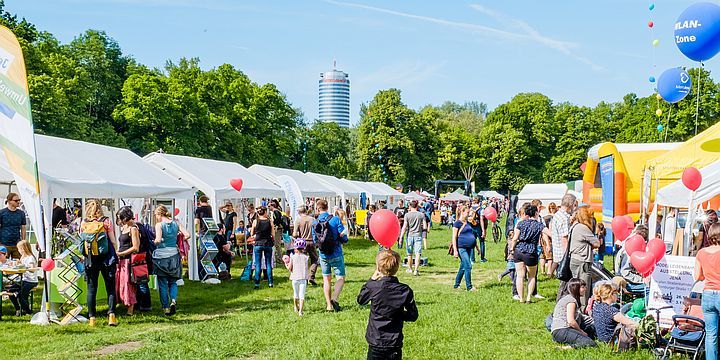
(578, 51)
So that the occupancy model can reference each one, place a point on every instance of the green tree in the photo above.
(328, 148)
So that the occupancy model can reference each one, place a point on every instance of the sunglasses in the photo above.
(15, 200)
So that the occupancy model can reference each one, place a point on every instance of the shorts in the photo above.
(526, 258)
(337, 264)
(299, 287)
(414, 245)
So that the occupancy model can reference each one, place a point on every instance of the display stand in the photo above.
(207, 250)
(71, 269)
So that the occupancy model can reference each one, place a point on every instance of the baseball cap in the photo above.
(3, 250)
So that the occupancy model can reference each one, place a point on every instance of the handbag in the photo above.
(139, 272)
(564, 273)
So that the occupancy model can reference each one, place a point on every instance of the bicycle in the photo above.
(497, 234)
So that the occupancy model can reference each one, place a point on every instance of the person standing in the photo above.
(230, 222)
(707, 268)
(525, 255)
(166, 258)
(463, 245)
(560, 225)
(701, 240)
(12, 225)
(262, 232)
(298, 266)
(582, 243)
(330, 228)
(129, 243)
(59, 216)
(204, 210)
(303, 229)
(96, 231)
(277, 224)
(479, 226)
(414, 224)
(400, 212)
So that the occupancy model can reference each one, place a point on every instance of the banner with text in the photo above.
(16, 130)
(670, 283)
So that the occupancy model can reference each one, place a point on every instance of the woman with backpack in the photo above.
(96, 231)
(129, 243)
(166, 258)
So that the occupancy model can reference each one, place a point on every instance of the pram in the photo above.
(687, 334)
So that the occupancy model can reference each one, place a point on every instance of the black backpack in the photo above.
(325, 237)
(286, 223)
(147, 238)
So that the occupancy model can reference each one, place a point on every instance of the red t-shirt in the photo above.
(710, 263)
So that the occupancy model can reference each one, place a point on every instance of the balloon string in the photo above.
(697, 103)
(667, 123)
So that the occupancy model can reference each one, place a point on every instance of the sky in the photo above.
(583, 52)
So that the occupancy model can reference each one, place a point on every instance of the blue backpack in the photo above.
(147, 238)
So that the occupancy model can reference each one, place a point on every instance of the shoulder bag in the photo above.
(564, 273)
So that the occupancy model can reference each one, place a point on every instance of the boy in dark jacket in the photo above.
(393, 303)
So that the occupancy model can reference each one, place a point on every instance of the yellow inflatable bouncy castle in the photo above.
(612, 179)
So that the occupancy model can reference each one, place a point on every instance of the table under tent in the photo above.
(71, 169)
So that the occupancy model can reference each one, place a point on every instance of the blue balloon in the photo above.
(660, 128)
(697, 31)
(674, 85)
(652, 79)
(651, 7)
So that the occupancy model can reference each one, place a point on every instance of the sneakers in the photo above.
(408, 270)
(313, 283)
(112, 320)
(473, 289)
(173, 307)
(91, 322)
(416, 273)
(538, 296)
(516, 297)
(483, 260)
(335, 305)
(499, 277)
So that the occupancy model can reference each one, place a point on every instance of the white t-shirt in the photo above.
(670, 230)
(29, 276)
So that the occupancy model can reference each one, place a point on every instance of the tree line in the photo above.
(89, 90)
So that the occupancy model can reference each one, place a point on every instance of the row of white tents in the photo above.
(76, 169)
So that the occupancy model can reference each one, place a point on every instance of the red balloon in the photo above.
(692, 178)
(583, 166)
(630, 222)
(47, 264)
(490, 213)
(657, 247)
(176, 212)
(620, 228)
(650, 24)
(236, 184)
(643, 262)
(635, 243)
(385, 227)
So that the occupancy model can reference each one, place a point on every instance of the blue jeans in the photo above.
(465, 267)
(167, 286)
(711, 313)
(258, 252)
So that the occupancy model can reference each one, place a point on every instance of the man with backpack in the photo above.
(277, 225)
(327, 234)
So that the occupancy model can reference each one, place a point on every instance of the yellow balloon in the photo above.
(656, 42)
(658, 112)
(658, 96)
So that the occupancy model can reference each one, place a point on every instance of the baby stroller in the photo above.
(687, 334)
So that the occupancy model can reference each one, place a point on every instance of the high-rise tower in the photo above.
(334, 97)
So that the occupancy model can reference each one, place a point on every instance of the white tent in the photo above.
(453, 196)
(678, 196)
(489, 194)
(546, 193)
(309, 187)
(389, 191)
(76, 169)
(371, 192)
(414, 196)
(212, 177)
(341, 187)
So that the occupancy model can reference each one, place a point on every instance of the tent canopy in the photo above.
(678, 196)
(309, 187)
(701, 150)
(546, 193)
(414, 196)
(387, 189)
(367, 188)
(213, 176)
(489, 194)
(341, 187)
(453, 196)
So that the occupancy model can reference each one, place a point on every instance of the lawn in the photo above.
(231, 320)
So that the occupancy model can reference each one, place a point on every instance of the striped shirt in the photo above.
(559, 226)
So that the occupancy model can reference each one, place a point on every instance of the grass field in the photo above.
(231, 320)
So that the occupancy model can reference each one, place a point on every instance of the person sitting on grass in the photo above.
(392, 303)
(567, 321)
(605, 315)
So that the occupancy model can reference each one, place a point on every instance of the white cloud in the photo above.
(397, 75)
